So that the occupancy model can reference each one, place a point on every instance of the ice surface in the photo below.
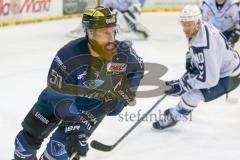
(26, 53)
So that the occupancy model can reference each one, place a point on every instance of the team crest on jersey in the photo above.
(116, 67)
(57, 148)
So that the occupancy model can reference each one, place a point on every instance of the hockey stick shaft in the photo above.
(140, 120)
(73, 156)
(99, 146)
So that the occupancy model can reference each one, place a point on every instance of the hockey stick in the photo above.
(106, 148)
(73, 156)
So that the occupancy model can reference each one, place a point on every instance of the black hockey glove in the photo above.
(234, 36)
(76, 141)
(189, 66)
(121, 86)
(188, 61)
(124, 93)
(76, 136)
(178, 87)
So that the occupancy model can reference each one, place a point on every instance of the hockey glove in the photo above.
(189, 66)
(124, 93)
(234, 36)
(77, 134)
(178, 87)
(76, 142)
(121, 87)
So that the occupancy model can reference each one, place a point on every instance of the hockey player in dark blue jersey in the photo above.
(89, 78)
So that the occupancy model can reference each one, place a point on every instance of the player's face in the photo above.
(104, 35)
(220, 1)
(102, 41)
(189, 28)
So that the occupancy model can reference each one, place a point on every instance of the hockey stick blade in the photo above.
(102, 147)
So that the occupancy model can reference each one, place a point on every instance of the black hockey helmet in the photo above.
(99, 17)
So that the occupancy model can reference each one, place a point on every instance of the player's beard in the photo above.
(105, 51)
(190, 35)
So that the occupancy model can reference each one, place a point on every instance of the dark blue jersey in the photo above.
(75, 74)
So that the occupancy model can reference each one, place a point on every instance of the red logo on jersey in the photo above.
(116, 67)
(210, 13)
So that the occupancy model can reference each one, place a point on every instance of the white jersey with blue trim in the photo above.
(225, 18)
(121, 5)
(212, 57)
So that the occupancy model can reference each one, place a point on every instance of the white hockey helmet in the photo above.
(190, 13)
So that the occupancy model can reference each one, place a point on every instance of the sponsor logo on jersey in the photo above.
(60, 63)
(72, 128)
(41, 118)
(116, 67)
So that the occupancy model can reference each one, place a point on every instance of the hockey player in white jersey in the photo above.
(129, 9)
(213, 68)
(224, 15)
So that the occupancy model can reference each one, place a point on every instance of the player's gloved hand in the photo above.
(234, 36)
(188, 61)
(124, 93)
(76, 136)
(189, 66)
(121, 87)
(76, 140)
(178, 87)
